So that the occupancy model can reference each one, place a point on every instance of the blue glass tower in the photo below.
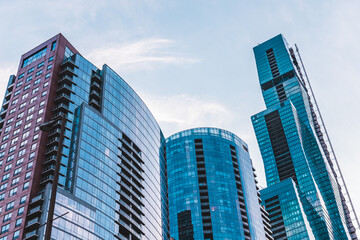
(212, 187)
(292, 146)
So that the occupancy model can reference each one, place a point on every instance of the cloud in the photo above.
(144, 54)
(179, 112)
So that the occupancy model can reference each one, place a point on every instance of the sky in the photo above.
(192, 61)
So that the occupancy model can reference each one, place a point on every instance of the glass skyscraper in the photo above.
(293, 145)
(212, 187)
(97, 172)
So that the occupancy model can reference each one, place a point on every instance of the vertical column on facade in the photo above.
(130, 192)
(275, 73)
(264, 213)
(276, 220)
(61, 108)
(240, 193)
(95, 91)
(204, 194)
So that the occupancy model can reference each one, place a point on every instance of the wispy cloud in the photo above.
(179, 112)
(144, 54)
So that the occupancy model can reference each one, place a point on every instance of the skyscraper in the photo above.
(95, 170)
(212, 187)
(294, 144)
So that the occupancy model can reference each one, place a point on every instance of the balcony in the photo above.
(3, 114)
(68, 71)
(49, 169)
(66, 79)
(33, 223)
(51, 150)
(47, 179)
(31, 235)
(95, 94)
(96, 77)
(69, 62)
(39, 199)
(64, 89)
(62, 107)
(34, 212)
(63, 98)
(96, 86)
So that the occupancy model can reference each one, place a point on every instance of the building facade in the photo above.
(97, 172)
(212, 187)
(293, 145)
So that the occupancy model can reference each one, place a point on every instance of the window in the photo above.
(30, 164)
(15, 180)
(27, 126)
(32, 58)
(35, 137)
(42, 103)
(2, 197)
(14, 140)
(33, 147)
(3, 187)
(10, 206)
(20, 115)
(18, 123)
(47, 75)
(28, 79)
(38, 120)
(7, 217)
(23, 143)
(28, 118)
(7, 168)
(13, 192)
(22, 199)
(2, 154)
(10, 121)
(12, 110)
(51, 58)
(12, 149)
(45, 84)
(16, 235)
(39, 72)
(37, 81)
(53, 46)
(19, 161)
(24, 96)
(16, 132)
(19, 84)
(21, 211)
(43, 93)
(41, 111)
(33, 99)
(10, 158)
(18, 222)
(40, 64)
(28, 175)
(5, 228)
(32, 155)
(37, 128)
(3, 146)
(48, 68)
(17, 92)
(26, 87)
(35, 90)
(21, 152)
(22, 105)
(26, 185)
(7, 129)
(5, 177)
(15, 102)
(31, 70)
(21, 75)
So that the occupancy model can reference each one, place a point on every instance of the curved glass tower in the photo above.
(96, 170)
(212, 187)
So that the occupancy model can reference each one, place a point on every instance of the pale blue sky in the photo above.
(192, 61)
